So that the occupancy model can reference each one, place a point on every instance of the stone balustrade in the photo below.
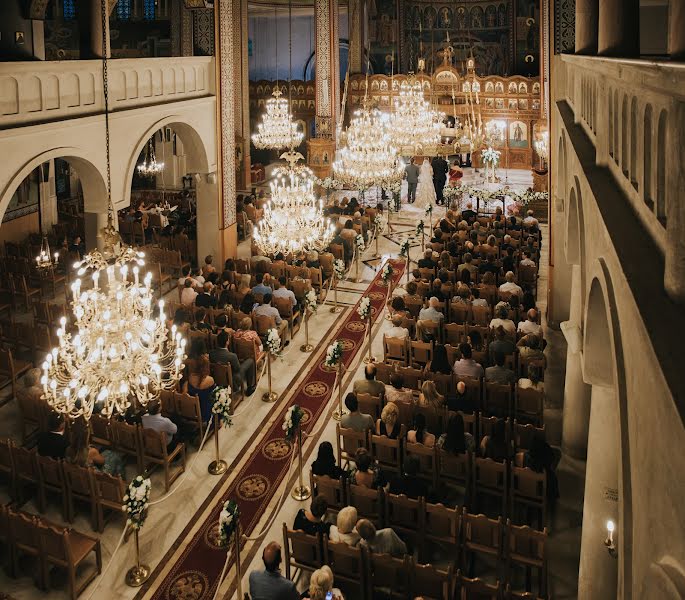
(38, 92)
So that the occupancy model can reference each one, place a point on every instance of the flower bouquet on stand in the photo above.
(490, 160)
(360, 246)
(338, 275)
(310, 307)
(420, 234)
(429, 214)
(293, 433)
(404, 253)
(221, 411)
(273, 347)
(229, 529)
(136, 502)
(333, 360)
(364, 311)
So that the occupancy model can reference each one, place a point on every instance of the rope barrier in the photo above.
(109, 563)
(229, 554)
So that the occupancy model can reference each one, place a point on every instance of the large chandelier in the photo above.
(277, 129)
(293, 219)
(415, 125)
(150, 166)
(368, 156)
(120, 352)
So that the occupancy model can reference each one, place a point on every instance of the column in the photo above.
(355, 27)
(676, 29)
(91, 30)
(321, 150)
(674, 275)
(587, 18)
(619, 28)
(576, 420)
(242, 90)
(598, 573)
(225, 27)
(208, 215)
(94, 222)
(48, 197)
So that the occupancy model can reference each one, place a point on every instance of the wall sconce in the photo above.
(609, 542)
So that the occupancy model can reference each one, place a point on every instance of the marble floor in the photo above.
(167, 520)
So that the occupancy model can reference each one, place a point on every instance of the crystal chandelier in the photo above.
(293, 219)
(368, 156)
(46, 261)
(277, 129)
(414, 123)
(120, 353)
(150, 166)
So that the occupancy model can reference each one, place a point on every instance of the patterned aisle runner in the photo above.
(197, 556)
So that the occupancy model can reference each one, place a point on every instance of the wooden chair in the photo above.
(441, 527)
(523, 435)
(433, 328)
(529, 405)
(101, 431)
(436, 418)
(109, 496)
(7, 464)
(444, 383)
(333, 490)
(79, 482)
(387, 452)
(67, 548)
(32, 412)
(453, 353)
(395, 351)
(412, 378)
(302, 551)
(348, 442)
(370, 405)
(526, 548)
(460, 312)
(490, 480)
(481, 536)
(387, 577)
(430, 583)
(247, 349)
(454, 473)
(474, 389)
(529, 491)
(155, 452)
(481, 315)
(454, 334)
(51, 479)
(128, 441)
(421, 354)
(25, 539)
(476, 589)
(427, 457)
(405, 516)
(368, 502)
(290, 314)
(348, 564)
(187, 409)
(26, 473)
(384, 371)
(498, 399)
(11, 368)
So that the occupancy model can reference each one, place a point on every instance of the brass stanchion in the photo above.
(407, 265)
(306, 347)
(423, 240)
(335, 308)
(340, 411)
(269, 396)
(300, 492)
(377, 253)
(356, 267)
(238, 564)
(138, 574)
(217, 466)
(370, 358)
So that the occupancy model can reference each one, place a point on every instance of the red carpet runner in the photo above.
(197, 569)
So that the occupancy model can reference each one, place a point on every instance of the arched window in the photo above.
(69, 10)
(124, 10)
(149, 10)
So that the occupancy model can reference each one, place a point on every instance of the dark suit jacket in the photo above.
(52, 444)
(205, 300)
(440, 169)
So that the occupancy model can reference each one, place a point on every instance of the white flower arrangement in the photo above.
(329, 183)
(491, 156)
(429, 210)
(334, 354)
(419, 228)
(228, 521)
(339, 269)
(273, 341)
(359, 242)
(386, 273)
(310, 301)
(404, 249)
(136, 502)
(292, 421)
(364, 308)
(222, 405)
(378, 222)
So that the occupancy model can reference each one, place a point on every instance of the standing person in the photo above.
(426, 190)
(411, 172)
(440, 169)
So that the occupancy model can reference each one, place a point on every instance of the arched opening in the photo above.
(611, 124)
(647, 159)
(616, 149)
(572, 230)
(624, 136)
(633, 142)
(661, 144)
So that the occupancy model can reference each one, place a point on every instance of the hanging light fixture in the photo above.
(150, 166)
(46, 261)
(277, 129)
(119, 352)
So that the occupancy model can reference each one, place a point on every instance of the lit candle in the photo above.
(610, 531)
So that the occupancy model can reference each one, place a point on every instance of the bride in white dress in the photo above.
(425, 191)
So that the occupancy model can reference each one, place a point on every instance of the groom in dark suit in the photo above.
(440, 170)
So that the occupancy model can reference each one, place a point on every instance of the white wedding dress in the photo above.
(425, 191)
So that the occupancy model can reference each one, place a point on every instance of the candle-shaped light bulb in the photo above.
(610, 531)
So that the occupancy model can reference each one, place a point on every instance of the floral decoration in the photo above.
(386, 273)
(339, 269)
(334, 353)
(221, 405)
(136, 502)
(404, 249)
(359, 242)
(310, 301)
(292, 421)
(273, 341)
(429, 210)
(491, 156)
(364, 308)
(419, 228)
(228, 521)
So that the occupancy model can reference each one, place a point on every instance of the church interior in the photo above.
(342, 299)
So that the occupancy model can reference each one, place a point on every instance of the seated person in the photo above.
(419, 434)
(365, 472)
(530, 325)
(429, 396)
(325, 463)
(530, 348)
(244, 372)
(495, 446)
(510, 286)
(153, 419)
(466, 366)
(534, 379)
(369, 385)
(395, 392)
(354, 419)
(262, 286)
(311, 521)
(388, 425)
(409, 483)
(462, 400)
(321, 586)
(344, 529)
(270, 584)
(541, 458)
(52, 443)
(382, 541)
(499, 373)
(504, 321)
(455, 440)
(397, 331)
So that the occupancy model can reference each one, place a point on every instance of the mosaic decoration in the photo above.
(149, 10)
(69, 10)
(228, 91)
(123, 10)
(203, 32)
(564, 26)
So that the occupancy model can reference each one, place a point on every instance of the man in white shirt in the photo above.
(155, 421)
(188, 294)
(466, 366)
(428, 314)
(530, 220)
(504, 321)
(265, 308)
(397, 331)
(527, 261)
(530, 325)
(283, 292)
(510, 286)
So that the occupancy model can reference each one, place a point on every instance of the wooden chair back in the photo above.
(412, 378)
(476, 589)
(367, 501)
(347, 562)
(421, 354)
(333, 490)
(370, 405)
(530, 404)
(427, 460)
(384, 371)
(498, 399)
(490, 479)
(127, 440)
(388, 576)
(441, 525)
(429, 582)
(349, 441)
(395, 350)
(454, 334)
(302, 551)
(387, 452)
(482, 535)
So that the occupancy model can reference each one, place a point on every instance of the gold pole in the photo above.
(306, 347)
(407, 265)
(423, 239)
(339, 412)
(335, 308)
(138, 574)
(370, 358)
(377, 253)
(238, 566)
(356, 267)
(217, 466)
(269, 396)
(300, 492)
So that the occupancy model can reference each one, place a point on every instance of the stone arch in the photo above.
(92, 179)
(561, 169)
(633, 142)
(661, 158)
(647, 158)
(611, 123)
(665, 580)
(616, 149)
(624, 135)
(573, 230)
(608, 465)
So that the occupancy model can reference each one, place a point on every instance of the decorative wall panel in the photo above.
(564, 26)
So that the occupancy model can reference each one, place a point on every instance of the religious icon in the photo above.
(499, 88)
(477, 17)
(518, 134)
(429, 17)
(512, 87)
(489, 103)
(499, 103)
(513, 104)
(445, 18)
(491, 16)
(489, 87)
(461, 18)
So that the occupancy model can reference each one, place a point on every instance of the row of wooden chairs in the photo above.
(364, 574)
(50, 546)
(101, 492)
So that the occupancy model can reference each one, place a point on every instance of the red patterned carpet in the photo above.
(191, 568)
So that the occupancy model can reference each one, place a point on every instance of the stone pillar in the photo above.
(91, 30)
(208, 215)
(598, 574)
(587, 19)
(225, 27)
(94, 222)
(242, 92)
(619, 28)
(47, 193)
(674, 275)
(355, 26)
(676, 29)
(321, 150)
(559, 291)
